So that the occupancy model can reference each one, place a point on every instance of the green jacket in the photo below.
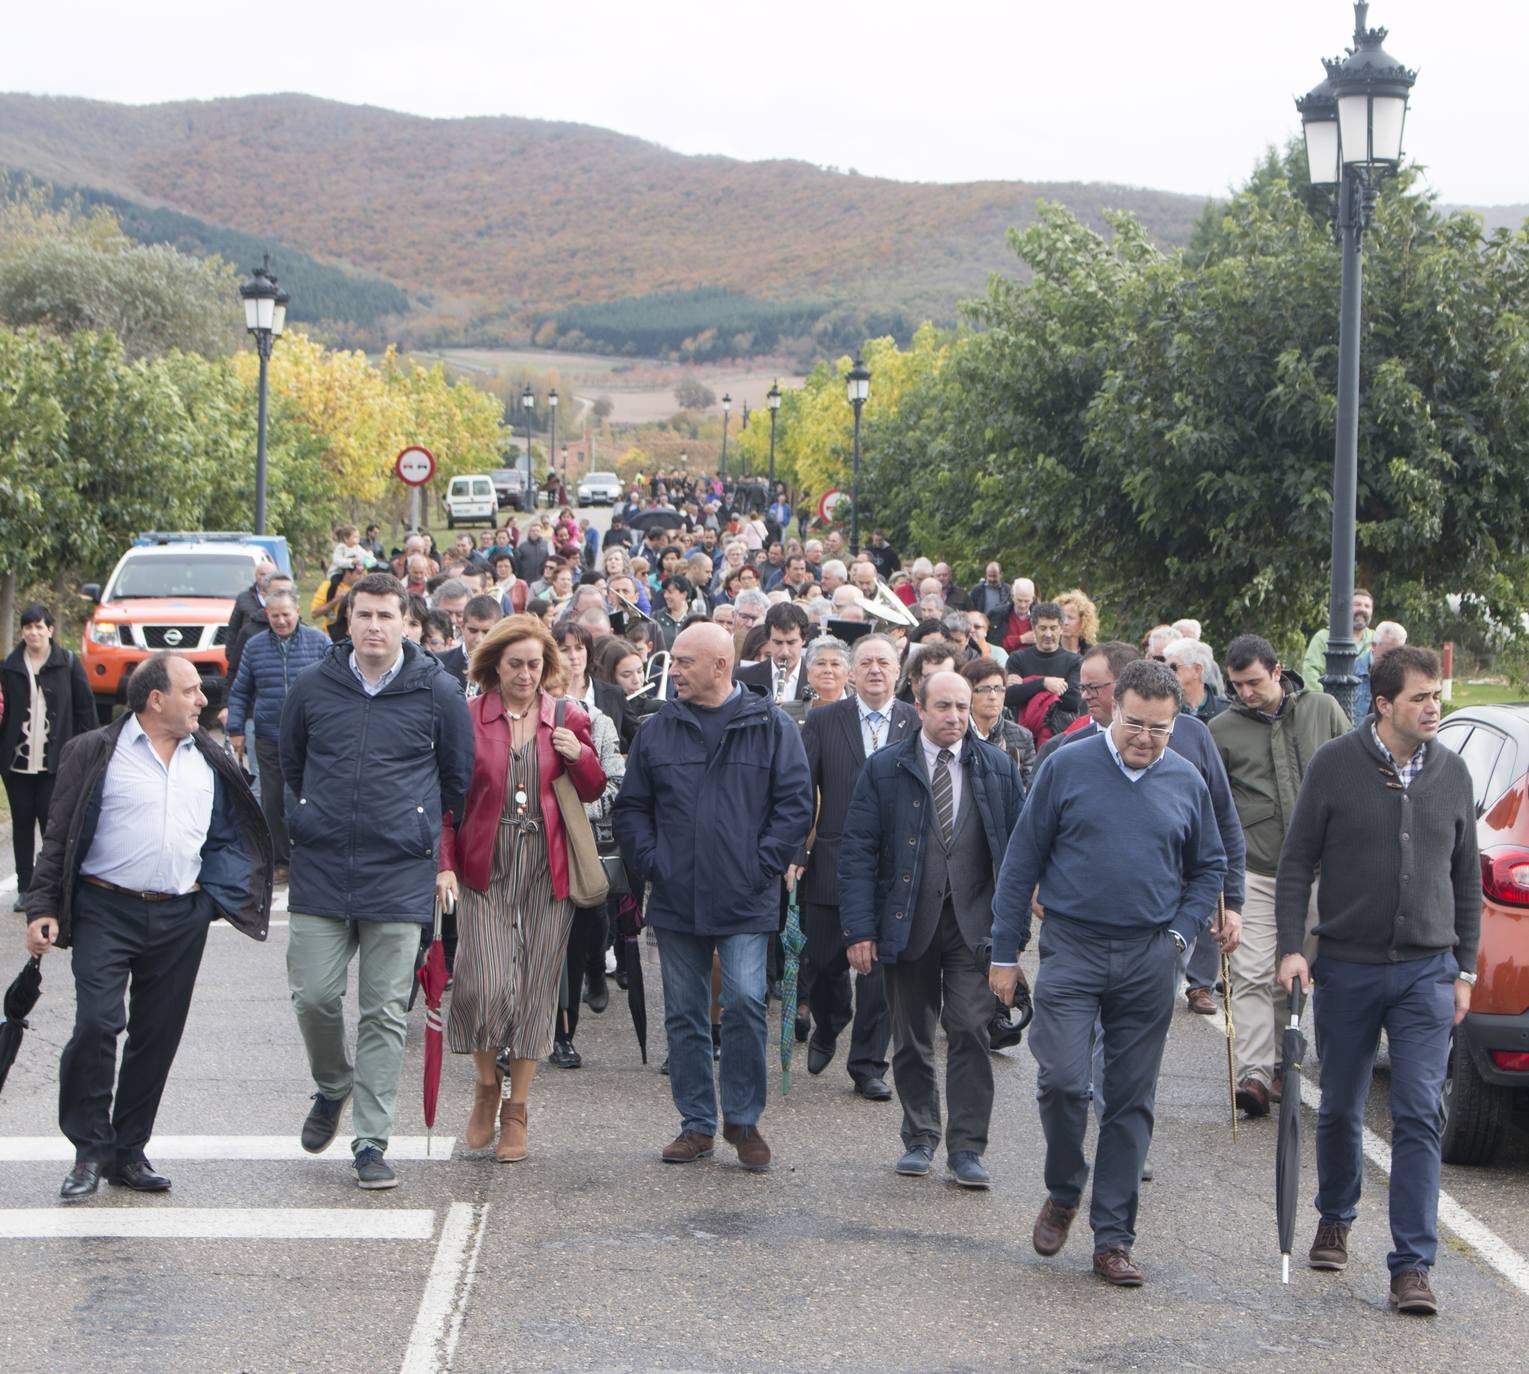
(1266, 761)
(1314, 663)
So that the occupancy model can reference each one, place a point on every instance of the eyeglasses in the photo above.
(1136, 727)
(996, 690)
(1090, 689)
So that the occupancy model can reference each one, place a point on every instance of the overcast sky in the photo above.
(1181, 96)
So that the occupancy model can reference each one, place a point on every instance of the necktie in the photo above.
(874, 720)
(944, 795)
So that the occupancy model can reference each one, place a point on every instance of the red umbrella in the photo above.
(432, 978)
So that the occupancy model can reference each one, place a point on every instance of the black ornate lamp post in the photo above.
(552, 434)
(858, 386)
(528, 407)
(727, 408)
(265, 317)
(1353, 125)
(772, 399)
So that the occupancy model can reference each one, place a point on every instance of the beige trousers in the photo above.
(1260, 1008)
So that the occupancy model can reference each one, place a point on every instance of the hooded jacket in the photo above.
(372, 776)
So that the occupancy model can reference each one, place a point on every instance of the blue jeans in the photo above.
(685, 963)
(1415, 1002)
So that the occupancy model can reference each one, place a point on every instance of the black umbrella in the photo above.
(1287, 1155)
(20, 998)
(657, 520)
(629, 929)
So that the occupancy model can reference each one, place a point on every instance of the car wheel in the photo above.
(1475, 1113)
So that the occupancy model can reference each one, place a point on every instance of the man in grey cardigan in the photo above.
(1387, 816)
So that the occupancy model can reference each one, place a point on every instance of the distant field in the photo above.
(641, 389)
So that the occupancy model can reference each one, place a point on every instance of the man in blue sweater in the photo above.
(1121, 836)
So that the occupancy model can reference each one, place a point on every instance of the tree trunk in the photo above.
(7, 612)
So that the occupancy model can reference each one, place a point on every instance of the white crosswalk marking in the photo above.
(25, 1149)
(215, 1223)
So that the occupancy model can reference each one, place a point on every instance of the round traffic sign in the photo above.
(826, 504)
(415, 466)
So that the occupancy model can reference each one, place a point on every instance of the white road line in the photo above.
(1481, 1238)
(215, 1223)
(434, 1339)
(22, 1149)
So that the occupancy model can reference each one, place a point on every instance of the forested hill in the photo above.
(501, 229)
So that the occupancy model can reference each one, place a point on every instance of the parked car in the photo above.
(510, 488)
(1489, 1059)
(471, 499)
(599, 489)
(171, 590)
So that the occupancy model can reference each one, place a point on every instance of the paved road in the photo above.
(594, 1256)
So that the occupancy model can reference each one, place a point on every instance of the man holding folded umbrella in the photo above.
(1386, 814)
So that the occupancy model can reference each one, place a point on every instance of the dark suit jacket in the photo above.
(835, 755)
(612, 700)
(454, 661)
(760, 677)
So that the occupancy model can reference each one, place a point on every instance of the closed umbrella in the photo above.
(20, 998)
(793, 942)
(629, 928)
(1287, 1155)
(432, 978)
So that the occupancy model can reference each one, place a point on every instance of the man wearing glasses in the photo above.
(1121, 837)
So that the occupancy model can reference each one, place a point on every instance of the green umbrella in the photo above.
(793, 942)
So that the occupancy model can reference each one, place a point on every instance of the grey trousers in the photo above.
(944, 984)
(1128, 986)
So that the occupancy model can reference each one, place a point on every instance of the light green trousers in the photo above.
(319, 950)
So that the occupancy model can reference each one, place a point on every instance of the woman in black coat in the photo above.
(47, 701)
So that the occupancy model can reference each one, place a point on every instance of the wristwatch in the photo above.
(1178, 940)
(1468, 978)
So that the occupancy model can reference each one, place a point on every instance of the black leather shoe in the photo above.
(322, 1123)
(599, 994)
(965, 1167)
(818, 1057)
(139, 1175)
(81, 1181)
(915, 1164)
(874, 1089)
(564, 1055)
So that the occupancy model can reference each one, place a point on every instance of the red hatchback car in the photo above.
(1489, 1061)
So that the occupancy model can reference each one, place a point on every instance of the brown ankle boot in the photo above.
(480, 1121)
(514, 1142)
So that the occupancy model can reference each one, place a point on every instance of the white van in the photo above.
(470, 499)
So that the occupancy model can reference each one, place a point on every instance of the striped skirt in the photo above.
(511, 944)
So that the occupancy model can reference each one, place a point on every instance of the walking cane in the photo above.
(1226, 1007)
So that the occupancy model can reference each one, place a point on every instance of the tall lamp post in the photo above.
(858, 385)
(772, 399)
(528, 408)
(552, 434)
(265, 317)
(727, 409)
(1353, 125)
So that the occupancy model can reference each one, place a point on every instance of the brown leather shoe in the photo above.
(1116, 1266)
(480, 1121)
(1201, 1001)
(514, 1137)
(1276, 1084)
(1330, 1249)
(1253, 1097)
(687, 1147)
(1410, 1293)
(753, 1153)
(1051, 1227)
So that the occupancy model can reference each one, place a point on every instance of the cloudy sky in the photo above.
(1179, 95)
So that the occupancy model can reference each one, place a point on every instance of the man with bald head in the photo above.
(716, 801)
(927, 828)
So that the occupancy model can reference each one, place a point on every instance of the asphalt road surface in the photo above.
(593, 1255)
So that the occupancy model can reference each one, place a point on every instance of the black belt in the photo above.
(140, 896)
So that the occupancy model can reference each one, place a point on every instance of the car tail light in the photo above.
(1514, 1061)
(1505, 875)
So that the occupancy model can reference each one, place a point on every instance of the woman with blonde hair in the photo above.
(506, 863)
(1080, 621)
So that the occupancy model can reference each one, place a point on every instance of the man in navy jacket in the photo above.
(716, 801)
(375, 743)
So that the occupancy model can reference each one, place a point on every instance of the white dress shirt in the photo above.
(932, 761)
(784, 691)
(875, 737)
(372, 688)
(154, 816)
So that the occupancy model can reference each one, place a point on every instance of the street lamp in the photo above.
(552, 432)
(727, 406)
(528, 405)
(858, 385)
(265, 317)
(772, 399)
(1353, 126)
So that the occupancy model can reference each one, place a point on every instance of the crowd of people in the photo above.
(733, 717)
